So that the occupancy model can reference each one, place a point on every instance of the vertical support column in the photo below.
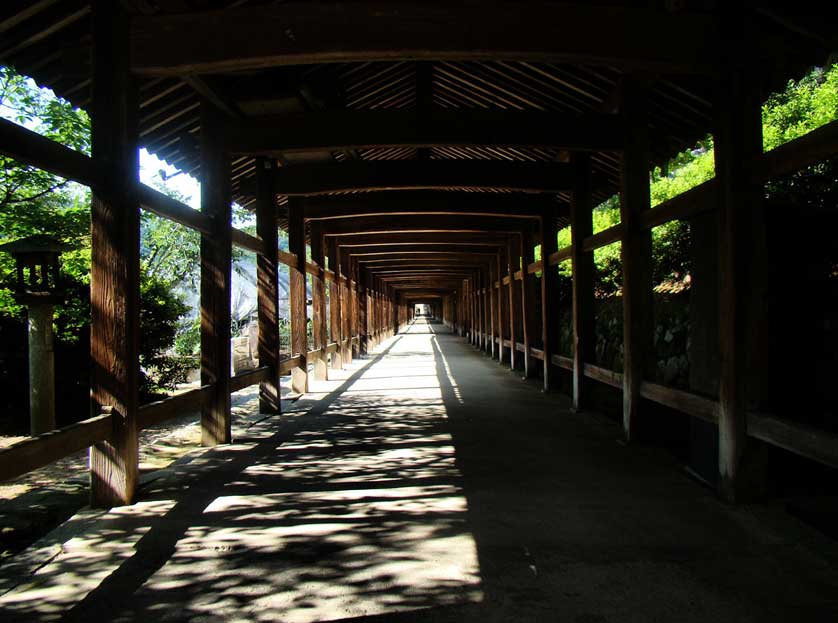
(513, 260)
(490, 300)
(549, 297)
(363, 314)
(335, 303)
(318, 302)
(500, 305)
(216, 266)
(115, 261)
(583, 276)
(636, 253)
(297, 287)
(267, 273)
(528, 301)
(743, 285)
(346, 309)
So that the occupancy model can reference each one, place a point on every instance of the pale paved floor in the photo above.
(430, 484)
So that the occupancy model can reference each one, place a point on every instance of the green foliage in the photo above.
(160, 310)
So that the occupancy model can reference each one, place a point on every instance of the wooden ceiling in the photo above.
(395, 113)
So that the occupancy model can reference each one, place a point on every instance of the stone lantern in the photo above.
(36, 288)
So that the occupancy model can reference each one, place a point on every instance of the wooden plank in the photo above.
(295, 33)
(246, 241)
(534, 267)
(267, 286)
(582, 285)
(609, 377)
(284, 257)
(812, 148)
(635, 252)
(173, 210)
(692, 404)
(297, 294)
(312, 269)
(248, 378)
(426, 202)
(560, 361)
(520, 347)
(603, 238)
(700, 199)
(318, 179)
(174, 406)
(287, 365)
(559, 256)
(816, 445)
(537, 353)
(29, 148)
(338, 130)
(115, 263)
(216, 268)
(36, 452)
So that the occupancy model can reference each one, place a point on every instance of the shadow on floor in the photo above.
(431, 485)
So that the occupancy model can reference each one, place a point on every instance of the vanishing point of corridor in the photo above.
(426, 483)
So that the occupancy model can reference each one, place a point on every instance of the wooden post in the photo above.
(267, 273)
(743, 286)
(335, 302)
(500, 305)
(636, 253)
(583, 277)
(490, 301)
(216, 265)
(549, 298)
(297, 287)
(115, 261)
(318, 302)
(346, 308)
(513, 260)
(528, 302)
(363, 318)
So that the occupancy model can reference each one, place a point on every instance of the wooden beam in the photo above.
(337, 130)
(243, 240)
(636, 253)
(583, 279)
(297, 294)
(115, 263)
(417, 223)
(173, 210)
(295, 33)
(216, 268)
(430, 202)
(319, 179)
(29, 148)
(420, 239)
(267, 287)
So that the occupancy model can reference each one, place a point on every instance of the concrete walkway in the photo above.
(428, 483)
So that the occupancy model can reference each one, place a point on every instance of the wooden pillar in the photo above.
(216, 264)
(363, 318)
(549, 298)
(636, 253)
(513, 260)
(528, 302)
(267, 287)
(335, 302)
(743, 286)
(346, 308)
(583, 276)
(297, 287)
(490, 301)
(318, 302)
(115, 261)
(500, 294)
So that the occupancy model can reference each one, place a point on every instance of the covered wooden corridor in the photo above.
(429, 484)
(490, 465)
